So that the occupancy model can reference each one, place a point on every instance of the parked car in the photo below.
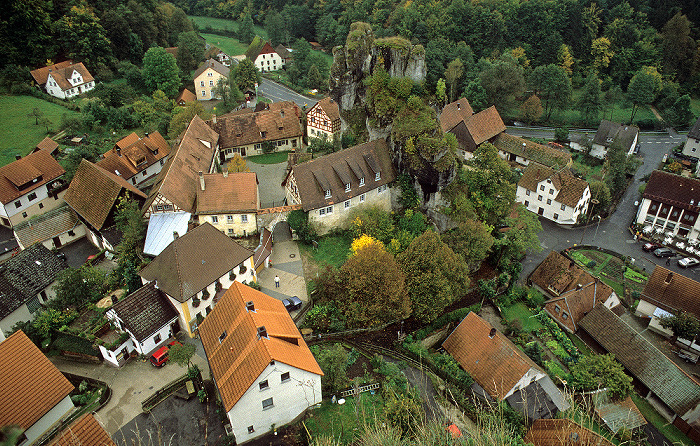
(292, 303)
(160, 357)
(663, 252)
(688, 262)
(651, 246)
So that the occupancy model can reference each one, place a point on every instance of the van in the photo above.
(160, 357)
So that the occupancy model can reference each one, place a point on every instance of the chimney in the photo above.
(18, 157)
(201, 179)
(213, 119)
(249, 306)
(669, 278)
(175, 235)
(225, 172)
(459, 106)
(492, 333)
(578, 286)
(262, 332)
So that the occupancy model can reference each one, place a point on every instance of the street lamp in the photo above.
(596, 229)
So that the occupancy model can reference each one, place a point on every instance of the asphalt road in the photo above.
(611, 233)
(277, 92)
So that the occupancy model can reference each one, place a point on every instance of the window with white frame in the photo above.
(362, 181)
(284, 377)
(527, 192)
(362, 198)
(264, 385)
(230, 231)
(377, 176)
(267, 403)
(347, 187)
(381, 188)
(229, 219)
(527, 203)
(204, 93)
(556, 216)
(156, 338)
(328, 194)
(201, 83)
(214, 219)
(244, 218)
(549, 201)
(539, 198)
(563, 207)
(347, 204)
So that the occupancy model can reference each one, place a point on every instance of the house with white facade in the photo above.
(501, 371)
(670, 205)
(34, 394)
(266, 58)
(330, 186)
(206, 78)
(265, 374)
(229, 201)
(554, 194)
(54, 229)
(692, 144)
(30, 186)
(137, 159)
(609, 133)
(323, 119)
(27, 282)
(195, 269)
(65, 80)
(149, 318)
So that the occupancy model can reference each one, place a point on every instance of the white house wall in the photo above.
(692, 147)
(21, 314)
(290, 399)
(149, 344)
(44, 423)
(269, 62)
(529, 377)
(112, 357)
(566, 216)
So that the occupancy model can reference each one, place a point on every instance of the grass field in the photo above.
(18, 133)
(332, 250)
(520, 312)
(228, 45)
(340, 422)
(269, 158)
(671, 432)
(223, 25)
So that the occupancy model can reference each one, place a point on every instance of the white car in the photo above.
(688, 262)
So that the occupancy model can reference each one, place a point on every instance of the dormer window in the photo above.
(347, 187)
(362, 181)
(263, 134)
(328, 194)
(377, 176)
(222, 336)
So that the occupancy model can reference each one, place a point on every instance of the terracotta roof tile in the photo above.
(329, 107)
(194, 261)
(673, 189)
(39, 166)
(185, 96)
(495, 363)
(569, 188)
(455, 112)
(239, 359)
(40, 75)
(93, 193)
(45, 226)
(548, 156)
(673, 292)
(563, 432)
(642, 359)
(30, 385)
(485, 125)
(127, 140)
(314, 177)
(83, 432)
(177, 181)
(61, 75)
(47, 144)
(214, 65)
(238, 192)
(132, 155)
(241, 129)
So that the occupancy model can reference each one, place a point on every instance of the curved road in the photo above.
(612, 233)
(278, 92)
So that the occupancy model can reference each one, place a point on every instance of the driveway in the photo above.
(270, 177)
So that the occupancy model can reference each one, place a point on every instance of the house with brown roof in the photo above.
(229, 201)
(265, 58)
(573, 291)
(64, 80)
(554, 194)
(670, 204)
(194, 270)
(47, 144)
(323, 119)
(34, 394)
(330, 186)
(673, 392)
(150, 319)
(265, 374)
(666, 294)
(617, 415)
(54, 229)
(29, 186)
(84, 431)
(136, 159)
(94, 194)
(692, 144)
(523, 152)
(184, 97)
(563, 432)
(27, 282)
(284, 53)
(274, 127)
(206, 78)
(471, 129)
(501, 371)
(610, 133)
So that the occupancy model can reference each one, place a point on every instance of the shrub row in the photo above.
(442, 364)
(558, 334)
(443, 320)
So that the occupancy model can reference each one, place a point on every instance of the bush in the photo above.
(333, 361)
(324, 318)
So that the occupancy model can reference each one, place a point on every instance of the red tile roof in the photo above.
(62, 75)
(30, 386)
(237, 192)
(455, 112)
(275, 123)
(329, 107)
(132, 155)
(185, 96)
(40, 75)
(494, 362)
(238, 360)
(86, 431)
(39, 166)
(47, 144)
(548, 156)
(672, 292)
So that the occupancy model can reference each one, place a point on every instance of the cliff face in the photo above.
(419, 150)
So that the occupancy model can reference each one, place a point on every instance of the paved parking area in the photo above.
(270, 177)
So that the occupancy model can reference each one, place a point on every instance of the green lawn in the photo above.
(520, 312)
(229, 45)
(332, 250)
(340, 422)
(18, 133)
(670, 431)
(269, 158)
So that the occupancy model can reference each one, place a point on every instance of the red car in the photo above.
(650, 246)
(160, 356)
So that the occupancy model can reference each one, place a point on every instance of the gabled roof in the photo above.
(241, 129)
(618, 414)
(329, 107)
(233, 192)
(485, 125)
(85, 431)
(30, 386)
(642, 359)
(283, 51)
(579, 301)
(548, 156)
(214, 65)
(62, 75)
(253, 52)
(672, 292)
(47, 144)
(694, 131)
(93, 192)
(46, 226)
(494, 362)
(30, 172)
(177, 181)
(40, 75)
(264, 249)
(569, 188)
(145, 311)
(162, 227)
(676, 190)
(563, 432)
(185, 96)
(315, 177)
(557, 274)
(609, 132)
(194, 261)
(454, 113)
(25, 275)
(132, 155)
(236, 354)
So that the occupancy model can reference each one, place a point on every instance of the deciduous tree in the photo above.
(245, 30)
(682, 324)
(246, 75)
(276, 28)
(594, 372)
(520, 235)
(565, 59)
(531, 110)
(678, 45)
(476, 95)
(160, 72)
(643, 88)
(82, 37)
(590, 102)
(552, 85)
(237, 164)
(453, 74)
(601, 51)
(190, 51)
(183, 115)
(472, 240)
(503, 80)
